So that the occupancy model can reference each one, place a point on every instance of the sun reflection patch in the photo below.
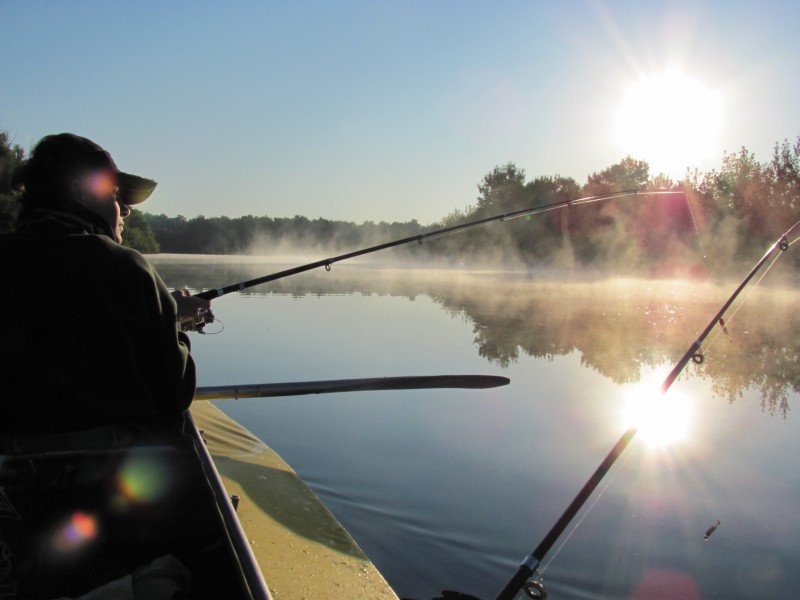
(661, 419)
(79, 530)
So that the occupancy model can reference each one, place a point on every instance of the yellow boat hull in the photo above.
(303, 551)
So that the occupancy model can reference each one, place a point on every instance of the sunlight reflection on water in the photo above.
(661, 419)
(449, 489)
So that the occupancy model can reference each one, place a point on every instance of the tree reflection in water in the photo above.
(617, 326)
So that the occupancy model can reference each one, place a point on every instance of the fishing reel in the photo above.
(204, 317)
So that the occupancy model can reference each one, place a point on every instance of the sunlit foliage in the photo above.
(729, 215)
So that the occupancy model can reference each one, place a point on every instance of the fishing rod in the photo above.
(327, 262)
(525, 576)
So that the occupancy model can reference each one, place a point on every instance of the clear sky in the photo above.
(392, 111)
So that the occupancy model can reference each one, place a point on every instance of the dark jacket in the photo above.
(89, 335)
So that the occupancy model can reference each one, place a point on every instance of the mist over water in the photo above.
(617, 325)
(449, 489)
(663, 235)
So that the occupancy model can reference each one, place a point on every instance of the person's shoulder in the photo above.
(123, 252)
(122, 257)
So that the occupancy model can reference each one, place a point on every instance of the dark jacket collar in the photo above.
(75, 220)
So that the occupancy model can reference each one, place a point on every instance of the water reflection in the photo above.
(449, 490)
(661, 419)
(618, 327)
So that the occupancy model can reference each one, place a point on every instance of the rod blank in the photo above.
(298, 388)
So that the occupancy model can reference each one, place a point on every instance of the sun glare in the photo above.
(661, 419)
(671, 121)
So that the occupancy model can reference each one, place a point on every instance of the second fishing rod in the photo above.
(526, 579)
(327, 262)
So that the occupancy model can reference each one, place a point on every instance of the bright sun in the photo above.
(671, 121)
(661, 419)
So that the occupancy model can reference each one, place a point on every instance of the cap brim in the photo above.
(134, 189)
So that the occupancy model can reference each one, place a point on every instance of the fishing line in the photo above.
(220, 330)
(741, 303)
(748, 293)
(696, 230)
(697, 564)
(621, 465)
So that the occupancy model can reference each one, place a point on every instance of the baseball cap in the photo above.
(57, 157)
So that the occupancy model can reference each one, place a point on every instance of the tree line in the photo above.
(726, 215)
(722, 216)
(266, 235)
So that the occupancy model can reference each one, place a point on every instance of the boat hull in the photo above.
(303, 551)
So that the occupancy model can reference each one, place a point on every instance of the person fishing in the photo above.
(92, 336)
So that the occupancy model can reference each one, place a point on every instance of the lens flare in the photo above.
(143, 479)
(101, 184)
(79, 531)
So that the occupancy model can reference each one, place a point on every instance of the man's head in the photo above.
(66, 168)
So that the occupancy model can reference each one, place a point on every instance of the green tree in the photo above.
(10, 157)
(627, 174)
(601, 232)
(553, 235)
(138, 234)
(733, 200)
(744, 204)
(786, 166)
(502, 189)
(784, 180)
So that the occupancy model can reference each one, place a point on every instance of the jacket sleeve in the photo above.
(166, 362)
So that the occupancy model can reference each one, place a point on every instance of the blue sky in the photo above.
(383, 111)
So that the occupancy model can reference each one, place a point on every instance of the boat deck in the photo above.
(303, 551)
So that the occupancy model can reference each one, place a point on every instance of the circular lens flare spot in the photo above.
(101, 184)
(143, 479)
(79, 530)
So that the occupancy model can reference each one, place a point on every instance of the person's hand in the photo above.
(192, 311)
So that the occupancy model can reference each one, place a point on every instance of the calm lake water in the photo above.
(450, 489)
